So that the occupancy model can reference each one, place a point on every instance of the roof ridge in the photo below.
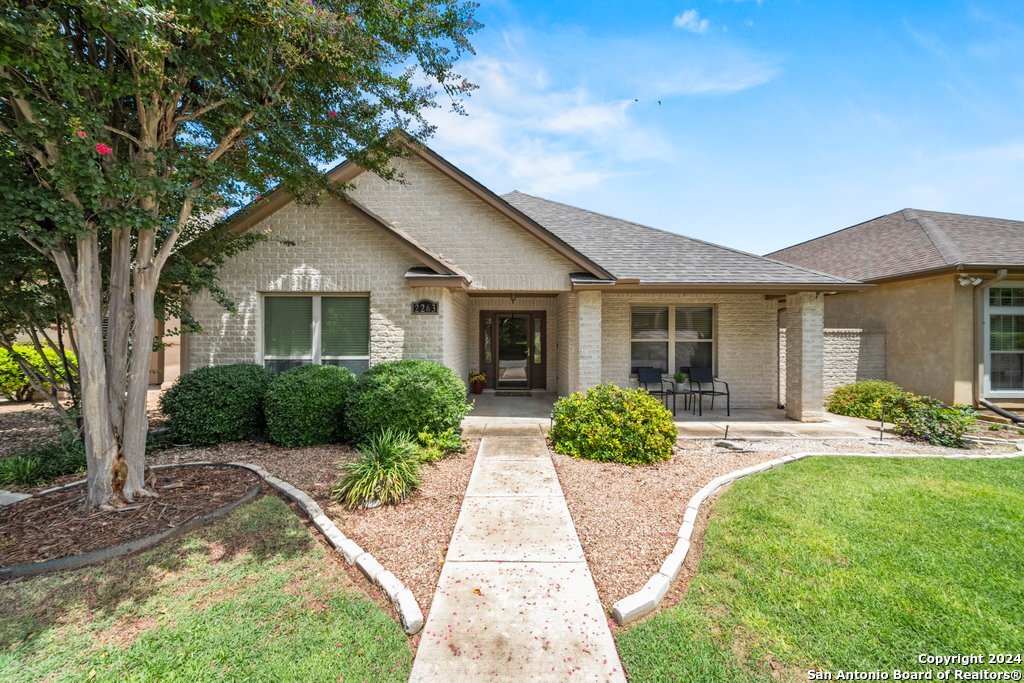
(949, 252)
(686, 237)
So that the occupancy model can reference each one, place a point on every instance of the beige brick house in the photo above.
(538, 295)
(948, 293)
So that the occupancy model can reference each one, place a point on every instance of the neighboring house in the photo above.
(949, 294)
(536, 294)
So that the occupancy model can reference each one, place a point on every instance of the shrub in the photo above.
(13, 382)
(306, 406)
(217, 404)
(928, 419)
(863, 399)
(436, 446)
(611, 424)
(388, 470)
(413, 396)
(45, 462)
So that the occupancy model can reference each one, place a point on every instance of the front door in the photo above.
(512, 349)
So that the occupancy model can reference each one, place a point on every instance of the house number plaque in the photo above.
(424, 307)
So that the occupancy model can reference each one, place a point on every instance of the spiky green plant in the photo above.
(388, 471)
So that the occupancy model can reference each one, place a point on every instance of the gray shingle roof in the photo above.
(911, 241)
(631, 250)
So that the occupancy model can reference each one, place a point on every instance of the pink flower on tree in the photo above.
(333, 114)
(103, 149)
(82, 134)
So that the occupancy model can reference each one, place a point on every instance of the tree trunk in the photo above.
(136, 421)
(119, 326)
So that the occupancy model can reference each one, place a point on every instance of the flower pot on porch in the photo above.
(478, 387)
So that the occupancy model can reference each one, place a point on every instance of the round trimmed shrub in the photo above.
(611, 424)
(411, 396)
(864, 399)
(306, 406)
(216, 404)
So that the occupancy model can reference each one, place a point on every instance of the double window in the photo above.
(317, 329)
(672, 337)
(1006, 339)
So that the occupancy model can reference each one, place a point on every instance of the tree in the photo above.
(125, 123)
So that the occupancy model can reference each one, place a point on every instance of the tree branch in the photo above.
(199, 112)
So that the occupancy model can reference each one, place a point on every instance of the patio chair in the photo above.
(703, 383)
(653, 382)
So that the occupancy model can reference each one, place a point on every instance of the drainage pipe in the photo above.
(1013, 417)
(980, 342)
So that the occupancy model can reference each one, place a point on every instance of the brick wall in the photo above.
(567, 353)
(456, 332)
(850, 355)
(334, 251)
(745, 341)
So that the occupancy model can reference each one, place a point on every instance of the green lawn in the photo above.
(252, 597)
(847, 563)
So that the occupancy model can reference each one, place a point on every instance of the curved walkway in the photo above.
(516, 600)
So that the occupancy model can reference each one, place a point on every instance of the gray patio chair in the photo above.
(703, 383)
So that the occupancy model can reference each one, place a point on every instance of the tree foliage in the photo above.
(128, 126)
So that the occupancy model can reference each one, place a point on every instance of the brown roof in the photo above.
(911, 241)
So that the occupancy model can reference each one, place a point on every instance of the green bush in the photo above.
(863, 399)
(306, 406)
(928, 419)
(611, 424)
(45, 462)
(388, 470)
(13, 382)
(436, 446)
(216, 404)
(412, 396)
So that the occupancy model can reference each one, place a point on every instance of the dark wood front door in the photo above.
(513, 349)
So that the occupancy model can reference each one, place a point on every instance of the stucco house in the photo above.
(948, 293)
(538, 295)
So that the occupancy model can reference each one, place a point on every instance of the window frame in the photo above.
(671, 338)
(991, 310)
(316, 356)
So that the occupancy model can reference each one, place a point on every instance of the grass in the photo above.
(847, 563)
(253, 597)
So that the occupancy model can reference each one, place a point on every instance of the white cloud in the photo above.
(691, 21)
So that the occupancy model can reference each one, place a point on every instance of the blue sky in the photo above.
(754, 124)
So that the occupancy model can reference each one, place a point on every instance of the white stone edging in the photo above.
(646, 600)
(401, 597)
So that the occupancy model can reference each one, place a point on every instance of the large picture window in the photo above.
(316, 329)
(1006, 339)
(672, 337)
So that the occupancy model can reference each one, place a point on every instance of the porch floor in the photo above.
(535, 408)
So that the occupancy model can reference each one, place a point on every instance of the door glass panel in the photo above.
(488, 341)
(538, 346)
(513, 351)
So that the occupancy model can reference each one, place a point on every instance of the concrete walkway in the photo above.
(516, 600)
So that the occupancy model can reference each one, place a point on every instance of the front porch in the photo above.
(493, 410)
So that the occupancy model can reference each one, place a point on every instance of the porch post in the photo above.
(589, 358)
(805, 325)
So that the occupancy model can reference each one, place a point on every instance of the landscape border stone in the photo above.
(646, 600)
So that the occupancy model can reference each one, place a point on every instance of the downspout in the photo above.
(979, 335)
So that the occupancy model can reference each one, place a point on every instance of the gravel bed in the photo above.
(628, 518)
(410, 539)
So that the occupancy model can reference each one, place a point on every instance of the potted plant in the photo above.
(682, 377)
(477, 380)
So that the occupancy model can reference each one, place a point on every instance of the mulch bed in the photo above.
(54, 525)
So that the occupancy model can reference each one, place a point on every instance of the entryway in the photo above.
(513, 351)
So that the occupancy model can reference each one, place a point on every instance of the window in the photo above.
(1006, 339)
(318, 329)
(672, 337)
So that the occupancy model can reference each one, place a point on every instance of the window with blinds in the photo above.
(671, 337)
(1006, 339)
(316, 329)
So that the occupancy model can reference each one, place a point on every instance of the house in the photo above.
(536, 294)
(949, 294)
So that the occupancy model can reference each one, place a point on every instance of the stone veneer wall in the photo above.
(745, 341)
(334, 251)
(850, 355)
